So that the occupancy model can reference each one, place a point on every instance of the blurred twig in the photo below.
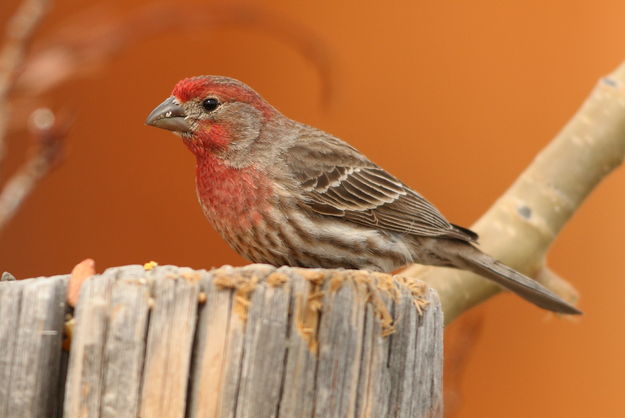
(89, 40)
(49, 134)
(20, 29)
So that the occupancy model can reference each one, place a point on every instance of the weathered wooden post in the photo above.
(232, 342)
(31, 331)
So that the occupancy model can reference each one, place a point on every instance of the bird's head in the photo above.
(213, 114)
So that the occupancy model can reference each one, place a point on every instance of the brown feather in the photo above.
(340, 182)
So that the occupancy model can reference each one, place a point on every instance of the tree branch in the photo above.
(519, 228)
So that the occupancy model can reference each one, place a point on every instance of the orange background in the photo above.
(454, 97)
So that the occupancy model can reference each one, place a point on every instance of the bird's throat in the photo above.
(231, 198)
(208, 139)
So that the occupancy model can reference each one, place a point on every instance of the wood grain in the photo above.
(31, 334)
(244, 342)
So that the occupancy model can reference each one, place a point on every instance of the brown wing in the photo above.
(339, 181)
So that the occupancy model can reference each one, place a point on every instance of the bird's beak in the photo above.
(169, 115)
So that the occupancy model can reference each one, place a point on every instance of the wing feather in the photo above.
(338, 181)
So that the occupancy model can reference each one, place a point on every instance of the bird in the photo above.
(285, 193)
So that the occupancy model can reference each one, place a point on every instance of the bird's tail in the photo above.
(472, 259)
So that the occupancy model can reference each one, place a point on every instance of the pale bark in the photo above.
(519, 228)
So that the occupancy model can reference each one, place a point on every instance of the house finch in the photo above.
(284, 193)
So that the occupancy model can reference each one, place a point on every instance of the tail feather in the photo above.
(529, 289)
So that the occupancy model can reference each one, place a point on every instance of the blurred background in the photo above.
(455, 98)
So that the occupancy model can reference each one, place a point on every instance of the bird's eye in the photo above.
(210, 104)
